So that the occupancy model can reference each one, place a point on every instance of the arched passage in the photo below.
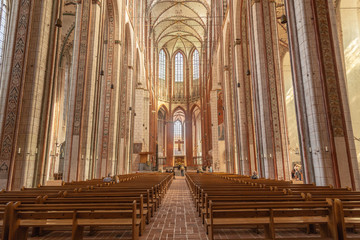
(291, 122)
(59, 111)
(350, 24)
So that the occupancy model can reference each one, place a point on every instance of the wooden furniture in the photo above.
(77, 216)
(269, 215)
(128, 204)
(225, 200)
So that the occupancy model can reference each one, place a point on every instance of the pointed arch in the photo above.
(162, 106)
(179, 108)
(193, 108)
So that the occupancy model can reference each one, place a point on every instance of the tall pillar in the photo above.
(269, 97)
(74, 153)
(328, 139)
(189, 138)
(229, 138)
(25, 89)
(247, 159)
(170, 140)
(129, 118)
(214, 136)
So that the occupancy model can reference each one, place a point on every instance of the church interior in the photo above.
(179, 119)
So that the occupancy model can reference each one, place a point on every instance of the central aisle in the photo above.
(177, 217)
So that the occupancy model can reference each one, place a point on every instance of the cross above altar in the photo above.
(178, 142)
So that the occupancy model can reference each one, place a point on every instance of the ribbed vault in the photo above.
(178, 24)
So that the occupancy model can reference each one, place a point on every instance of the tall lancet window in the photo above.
(3, 22)
(178, 138)
(162, 74)
(196, 73)
(179, 68)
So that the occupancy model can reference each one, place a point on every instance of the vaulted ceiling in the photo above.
(178, 24)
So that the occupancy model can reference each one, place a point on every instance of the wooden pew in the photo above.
(230, 189)
(150, 188)
(271, 215)
(204, 212)
(76, 216)
(143, 212)
(347, 215)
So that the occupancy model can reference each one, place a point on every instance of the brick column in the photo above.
(74, 156)
(268, 92)
(189, 138)
(244, 91)
(26, 87)
(330, 155)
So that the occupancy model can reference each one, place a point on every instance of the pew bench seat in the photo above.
(107, 222)
(44, 222)
(234, 222)
(74, 216)
(271, 215)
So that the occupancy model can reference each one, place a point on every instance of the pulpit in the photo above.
(144, 156)
(145, 161)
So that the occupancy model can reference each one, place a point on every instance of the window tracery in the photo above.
(179, 68)
(3, 23)
(196, 74)
(162, 74)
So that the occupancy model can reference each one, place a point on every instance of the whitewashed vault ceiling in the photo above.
(178, 24)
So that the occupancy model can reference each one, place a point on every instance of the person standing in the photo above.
(182, 169)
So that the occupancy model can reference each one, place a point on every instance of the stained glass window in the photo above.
(179, 68)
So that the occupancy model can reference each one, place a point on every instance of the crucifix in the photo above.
(178, 142)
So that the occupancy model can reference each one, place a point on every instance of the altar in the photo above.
(179, 160)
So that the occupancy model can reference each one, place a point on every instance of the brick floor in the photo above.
(178, 219)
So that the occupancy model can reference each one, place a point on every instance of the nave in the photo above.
(198, 206)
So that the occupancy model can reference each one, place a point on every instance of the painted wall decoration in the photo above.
(137, 148)
(13, 104)
(221, 124)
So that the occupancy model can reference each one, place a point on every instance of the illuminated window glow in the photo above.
(179, 68)
(196, 63)
(162, 65)
(3, 23)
